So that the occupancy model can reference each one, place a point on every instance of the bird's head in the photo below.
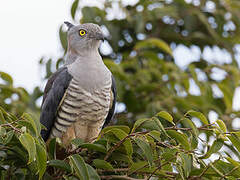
(84, 37)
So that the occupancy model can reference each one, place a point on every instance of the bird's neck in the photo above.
(89, 70)
(91, 54)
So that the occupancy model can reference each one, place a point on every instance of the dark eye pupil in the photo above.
(82, 32)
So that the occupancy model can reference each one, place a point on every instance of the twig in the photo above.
(169, 173)
(154, 162)
(203, 172)
(120, 143)
(118, 177)
(138, 133)
(10, 125)
(171, 146)
(187, 129)
(113, 170)
(233, 169)
(176, 128)
(216, 170)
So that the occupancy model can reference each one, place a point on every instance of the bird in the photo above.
(79, 99)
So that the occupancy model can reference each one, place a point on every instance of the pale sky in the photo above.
(29, 30)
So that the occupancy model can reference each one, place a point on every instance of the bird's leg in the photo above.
(66, 139)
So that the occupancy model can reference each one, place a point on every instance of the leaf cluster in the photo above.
(156, 148)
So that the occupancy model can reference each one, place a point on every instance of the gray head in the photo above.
(83, 37)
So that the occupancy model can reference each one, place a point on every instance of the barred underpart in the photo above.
(82, 114)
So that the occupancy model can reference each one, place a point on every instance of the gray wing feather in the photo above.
(53, 94)
(112, 109)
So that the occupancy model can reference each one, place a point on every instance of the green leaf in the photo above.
(35, 124)
(60, 164)
(137, 165)
(41, 158)
(78, 164)
(228, 94)
(6, 77)
(120, 134)
(94, 147)
(215, 147)
(194, 142)
(138, 123)
(153, 42)
(74, 8)
(198, 115)
(180, 137)
(77, 142)
(159, 126)
(189, 124)
(101, 164)
(49, 62)
(27, 126)
(9, 136)
(8, 117)
(146, 148)
(29, 144)
(169, 155)
(235, 140)
(63, 38)
(52, 148)
(186, 161)
(2, 131)
(92, 173)
(155, 134)
(116, 156)
(2, 119)
(126, 129)
(165, 115)
(233, 162)
(222, 125)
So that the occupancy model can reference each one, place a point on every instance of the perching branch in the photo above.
(11, 126)
(120, 143)
(118, 177)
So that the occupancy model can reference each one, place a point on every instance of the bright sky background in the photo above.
(29, 30)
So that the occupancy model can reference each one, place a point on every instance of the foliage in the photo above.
(155, 147)
(16, 99)
(143, 38)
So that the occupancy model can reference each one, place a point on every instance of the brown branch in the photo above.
(233, 169)
(154, 162)
(113, 170)
(158, 168)
(211, 165)
(216, 170)
(187, 129)
(171, 146)
(176, 128)
(10, 125)
(118, 177)
(200, 175)
(120, 143)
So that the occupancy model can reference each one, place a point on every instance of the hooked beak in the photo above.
(100, 36)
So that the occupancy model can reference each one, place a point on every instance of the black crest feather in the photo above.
(69, 25)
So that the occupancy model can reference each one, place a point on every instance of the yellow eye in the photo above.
(82, 32)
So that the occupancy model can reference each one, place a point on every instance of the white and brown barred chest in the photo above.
(84, 111)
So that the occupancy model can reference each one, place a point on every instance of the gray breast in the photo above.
(82, 108)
